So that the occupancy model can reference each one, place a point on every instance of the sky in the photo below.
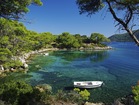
(58, 16)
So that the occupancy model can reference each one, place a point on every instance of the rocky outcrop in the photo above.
(89, 103)
(96, 48)
(23, 58)
(102, 48)
(1, 68)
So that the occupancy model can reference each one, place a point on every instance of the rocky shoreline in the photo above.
(23, 59)
(128, 100)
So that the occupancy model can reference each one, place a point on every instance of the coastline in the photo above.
(43, 51)
(24, 58)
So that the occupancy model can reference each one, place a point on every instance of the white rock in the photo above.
(1, 68)
(25, 65)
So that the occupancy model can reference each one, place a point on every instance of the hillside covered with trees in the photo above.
(16, 40)
(123, 37)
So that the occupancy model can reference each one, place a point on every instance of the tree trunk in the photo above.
(132, 36)
(124, 24)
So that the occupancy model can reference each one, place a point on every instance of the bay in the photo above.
(118, 68)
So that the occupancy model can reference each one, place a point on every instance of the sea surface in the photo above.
(118, 68)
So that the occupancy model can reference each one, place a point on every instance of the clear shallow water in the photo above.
(118, 68)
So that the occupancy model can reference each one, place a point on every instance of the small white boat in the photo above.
(46, 54)
(88, 84)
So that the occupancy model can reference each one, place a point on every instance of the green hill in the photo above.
(123, 37)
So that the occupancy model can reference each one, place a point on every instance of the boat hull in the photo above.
(88, 84)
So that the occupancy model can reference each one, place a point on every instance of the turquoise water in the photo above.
(118, 68)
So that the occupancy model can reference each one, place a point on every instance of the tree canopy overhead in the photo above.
(15, 9)
(128, 8)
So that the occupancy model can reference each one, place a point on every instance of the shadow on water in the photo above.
(68, 88)
(98, 56)
(95, 56)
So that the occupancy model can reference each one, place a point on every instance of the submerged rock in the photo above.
(117, 102)
(25, 65)
(127, 100)
(44, 87)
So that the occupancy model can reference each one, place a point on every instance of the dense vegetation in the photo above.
(123, 37)
(15, 9)
(21, 93)
(15, 40)
(135, 91)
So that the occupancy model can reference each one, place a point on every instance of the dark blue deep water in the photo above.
(118, 68)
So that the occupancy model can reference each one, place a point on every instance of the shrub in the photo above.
(16, 93)
(84, 94)
(12, 64)
(135, 91)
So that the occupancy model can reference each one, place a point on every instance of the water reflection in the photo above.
(61, 63)
(98, 56)
(95, 56)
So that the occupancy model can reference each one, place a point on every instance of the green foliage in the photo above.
(21, 93)
(15, 64)
(85, 39)
(79, 38)
(12, 34)
(15, 9)
(66, 40)
(16, 93)
(76, 89)
(91, 6)
(5, 54)
(98, 38)
(45, 39)
(83, 93)
(16, 40)
(135, 91)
